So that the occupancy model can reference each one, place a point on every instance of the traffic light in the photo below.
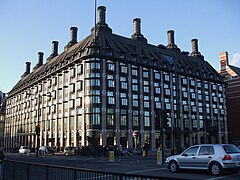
(165, 119)
(38, 130)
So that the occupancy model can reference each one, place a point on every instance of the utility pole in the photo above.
(38, 125)
(161, 134)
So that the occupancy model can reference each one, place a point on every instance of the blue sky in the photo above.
(29, 26)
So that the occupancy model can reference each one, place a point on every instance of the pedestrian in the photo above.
(2, 157)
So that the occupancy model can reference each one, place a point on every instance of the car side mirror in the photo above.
(185, 155)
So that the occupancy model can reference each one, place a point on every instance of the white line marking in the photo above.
(216, 178)
(144, 170)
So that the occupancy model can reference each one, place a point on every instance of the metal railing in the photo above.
(14, 170)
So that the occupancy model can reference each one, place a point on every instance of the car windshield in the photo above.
(230, 149)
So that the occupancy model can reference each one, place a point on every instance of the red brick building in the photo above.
(232, 78)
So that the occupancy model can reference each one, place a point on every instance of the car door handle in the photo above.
(209, 157)
(193, 157)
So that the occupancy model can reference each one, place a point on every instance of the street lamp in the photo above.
(38, 127)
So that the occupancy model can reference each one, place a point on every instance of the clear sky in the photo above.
(29, 26)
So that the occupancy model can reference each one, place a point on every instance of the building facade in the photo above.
(112, 90)
(231, 76)
(2, 117)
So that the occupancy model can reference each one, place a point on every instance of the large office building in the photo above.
(112, 90)
(2, 116)
(231, 76)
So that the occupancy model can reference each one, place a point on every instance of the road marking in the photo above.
(145, 170)
(221, 177)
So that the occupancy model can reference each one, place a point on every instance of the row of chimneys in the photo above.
(73, 40)
(101, 22)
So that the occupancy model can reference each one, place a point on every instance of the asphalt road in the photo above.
(130, 165)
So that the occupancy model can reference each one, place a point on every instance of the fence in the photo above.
(14, 170)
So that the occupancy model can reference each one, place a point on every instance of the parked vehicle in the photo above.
(44, 150)
(71, 151)
(24, 150)
(212, 157)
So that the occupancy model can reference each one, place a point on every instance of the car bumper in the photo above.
(231, 166)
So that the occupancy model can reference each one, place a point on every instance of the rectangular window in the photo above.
(123, 118)
(80, 85)
(134, 71)
(166, 77)
(72, 73)
(157, 75)
(71, 123)
(79, 102)
(135, 87)
(65, 124)
(79, 122)
(123, 69)
(146, 118)
(135, 118)
(111, 66)
(72, 103)
(72, 88)
(124, 85)
(111, 83)
(110, 116)
(167, 92)
(145, 74)
(80, 69)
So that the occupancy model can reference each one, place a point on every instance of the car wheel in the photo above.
(216, 169)
(173, 166)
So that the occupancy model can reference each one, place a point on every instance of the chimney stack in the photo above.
(137, 30)
(73, 35)
(102, 16)
(171, 43)
(170, 34)
(224, 59)
(194, 45)
(195, 52)
(40, 58)
(28, 66)
(73, 40)
(137, 25)
(54, 48)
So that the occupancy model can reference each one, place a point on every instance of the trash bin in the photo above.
(111, 156)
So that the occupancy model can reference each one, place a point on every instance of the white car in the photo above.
(212, 157)
(24, 150)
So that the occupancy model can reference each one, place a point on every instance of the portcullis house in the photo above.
(112, 90)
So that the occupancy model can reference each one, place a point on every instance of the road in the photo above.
(130, 165)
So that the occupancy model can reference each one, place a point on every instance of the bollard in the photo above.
(111, 156)
(158, 157)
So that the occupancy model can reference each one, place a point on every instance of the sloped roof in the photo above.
(235, 69)
(137, 51)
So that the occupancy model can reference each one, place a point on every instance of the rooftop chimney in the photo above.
(28, 66)
(137, 29)
(54, 48)
(137, 25)
(224, 59)
(73, 40)
(40, 58)
(27, 71)
(73, 35)
(195, 52)
(102, 16)
(171, 43)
